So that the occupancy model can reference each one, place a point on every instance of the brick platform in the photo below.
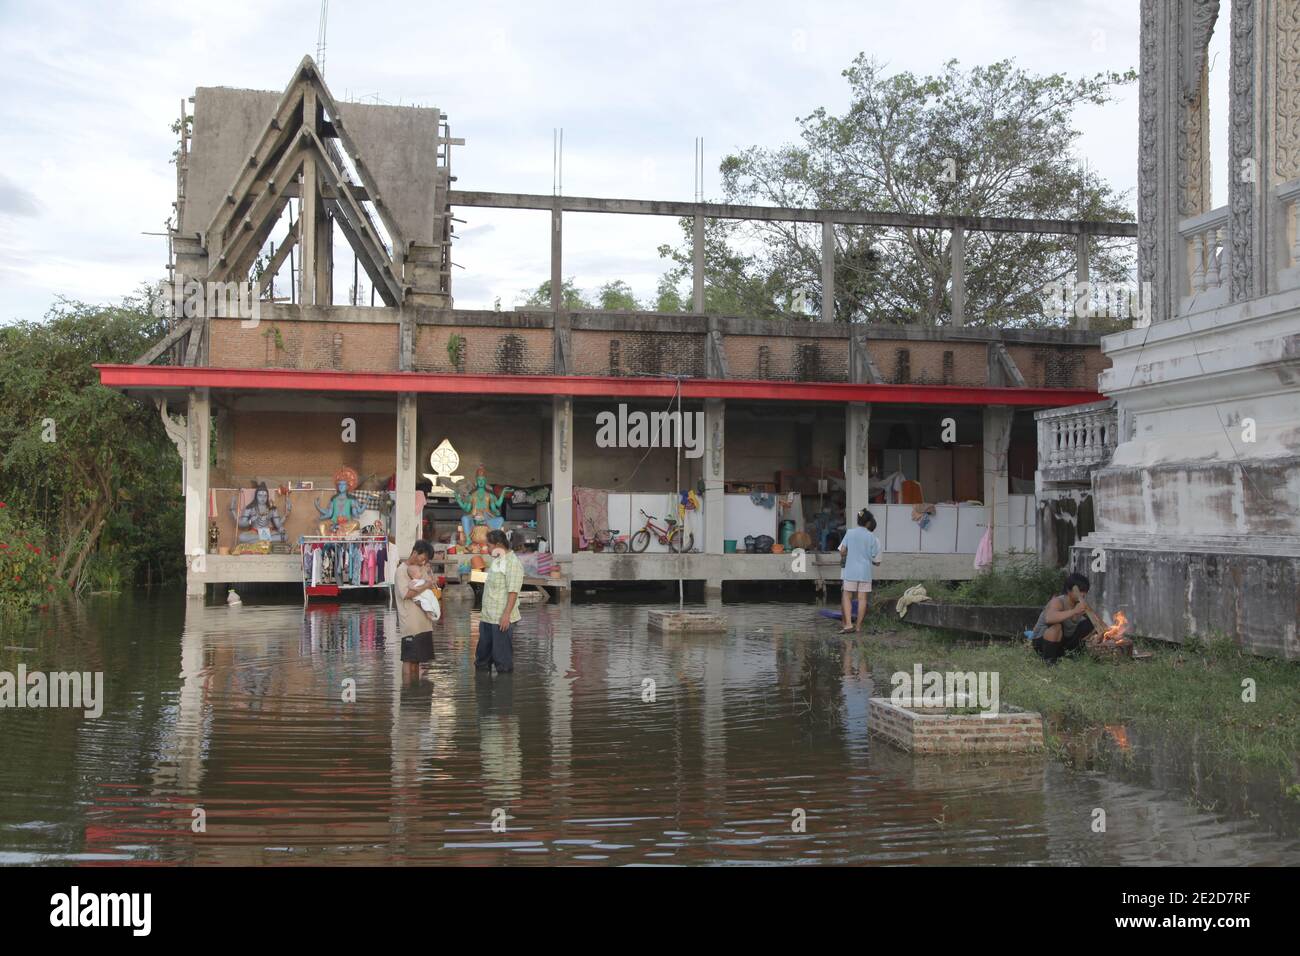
(936, 730)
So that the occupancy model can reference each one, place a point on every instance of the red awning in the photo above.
(328, 380)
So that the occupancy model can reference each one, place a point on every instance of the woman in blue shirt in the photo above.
(861, 551)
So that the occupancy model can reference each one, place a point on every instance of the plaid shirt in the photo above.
(504, 576)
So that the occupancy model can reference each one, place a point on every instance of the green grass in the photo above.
(1190, 690)
(1011, 580)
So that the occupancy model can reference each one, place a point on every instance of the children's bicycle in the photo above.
(608, 538)
(674, 536)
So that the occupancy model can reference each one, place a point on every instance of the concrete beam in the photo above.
(644, 207)
(557, 255)
(997, 484)
(828, 271)
(715, 435)
(1081, 272)
(562, 477)
(957, 248)
(857, 466)
(895, 566)
(697, 264)
(406, 523)
(197, 428)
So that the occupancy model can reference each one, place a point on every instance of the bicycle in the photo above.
(608, 538)
(674, 535)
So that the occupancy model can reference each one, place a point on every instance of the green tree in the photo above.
(89, 467)
(540, 298)
(991, 141)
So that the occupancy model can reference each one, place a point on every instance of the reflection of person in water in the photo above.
(499, 749)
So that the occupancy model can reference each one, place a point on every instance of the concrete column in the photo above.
(1081, 281)
(308, 234)
(324, 256)
(715, 432)
(857, 466)
(197, 437)
(958, 250)
(562, 477)
(406, 524)
(997, 484)
(828, 271)
(697, 264)
(557, 246)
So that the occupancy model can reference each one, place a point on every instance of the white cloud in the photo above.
(91, 92)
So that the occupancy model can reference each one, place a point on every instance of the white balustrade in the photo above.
(1207, 239)
(1073, 440)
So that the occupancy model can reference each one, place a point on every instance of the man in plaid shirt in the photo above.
(500, 608)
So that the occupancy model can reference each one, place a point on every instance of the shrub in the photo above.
(26, 565)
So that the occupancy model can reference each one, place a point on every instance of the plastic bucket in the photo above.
(729, 546)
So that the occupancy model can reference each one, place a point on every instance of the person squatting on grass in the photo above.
(500, 610)
(861, 551)
(1063, 624)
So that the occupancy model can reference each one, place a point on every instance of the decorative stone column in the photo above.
(1173, 139)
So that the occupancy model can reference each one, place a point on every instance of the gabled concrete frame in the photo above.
(291, 145)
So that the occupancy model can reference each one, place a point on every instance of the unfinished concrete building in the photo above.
(799, 417)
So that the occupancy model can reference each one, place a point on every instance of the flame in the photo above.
(1117, 630)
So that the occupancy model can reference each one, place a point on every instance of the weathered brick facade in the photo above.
(619, 345)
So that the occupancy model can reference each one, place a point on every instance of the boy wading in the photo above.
(500, 609)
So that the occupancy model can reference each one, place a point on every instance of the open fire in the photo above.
(1115, 633)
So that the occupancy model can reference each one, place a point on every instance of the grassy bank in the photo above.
(1184, 690)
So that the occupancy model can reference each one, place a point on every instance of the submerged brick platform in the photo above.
(941, 730)
(683, 621)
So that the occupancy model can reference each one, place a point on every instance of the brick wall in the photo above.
(1058, 366)
(619, 352)
(486, 350)
(307, 446)
(904, 361)
(348, 346)
(787, 358)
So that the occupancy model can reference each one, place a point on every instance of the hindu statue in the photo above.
(480, 505)
(341, 516)
(261, 520)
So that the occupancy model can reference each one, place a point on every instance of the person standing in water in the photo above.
(861, 550)
(500, 610)
(414, 623)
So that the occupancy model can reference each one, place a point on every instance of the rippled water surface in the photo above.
(240, 713)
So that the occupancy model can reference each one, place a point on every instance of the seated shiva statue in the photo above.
(480, 505)
(341, 516)
(261, 520)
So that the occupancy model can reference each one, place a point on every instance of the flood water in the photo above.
(240, 713)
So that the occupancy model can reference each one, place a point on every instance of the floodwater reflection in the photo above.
(291, 736)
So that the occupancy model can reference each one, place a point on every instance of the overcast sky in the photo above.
(91, 89)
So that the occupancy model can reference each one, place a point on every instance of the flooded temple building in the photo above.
(328, 411)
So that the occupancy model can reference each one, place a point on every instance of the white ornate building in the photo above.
(1198, 512)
